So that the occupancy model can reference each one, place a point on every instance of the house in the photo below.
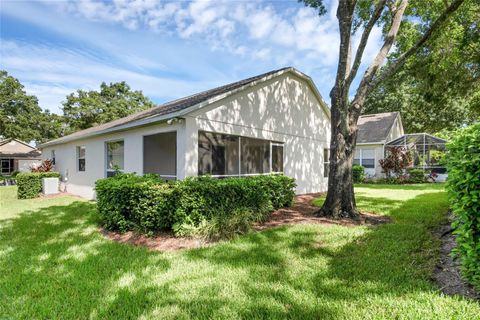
(17, 156)
(374, 132)
(378, 133)
(273, 122)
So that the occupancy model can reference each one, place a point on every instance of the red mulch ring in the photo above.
(302, 212)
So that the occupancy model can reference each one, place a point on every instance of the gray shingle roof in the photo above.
(375, 127)
(165, 109)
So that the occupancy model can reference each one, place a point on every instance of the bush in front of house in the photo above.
(205, 207)
(463, 164)
(30, 183)
(415, 176)
(358, 173)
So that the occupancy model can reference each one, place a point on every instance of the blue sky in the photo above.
(166, 49)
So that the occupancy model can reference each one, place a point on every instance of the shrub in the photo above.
(30, 183)
(463, 164)
(396, 160)
(204, 206)
(358, 173)
(45, 166)
(416, 176)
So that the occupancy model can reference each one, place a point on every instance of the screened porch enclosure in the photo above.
(426, 150)
(222, 155)
(160, 154)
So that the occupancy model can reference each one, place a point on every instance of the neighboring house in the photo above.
(374, 132)
(16, 155)
(274, 122)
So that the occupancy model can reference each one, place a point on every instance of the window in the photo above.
(365, 158)
(81, 158)
(227, 155)
(52, 155)
(114, 157)
(326, 162)
(277, 157)
(218, 154)
(255, 156)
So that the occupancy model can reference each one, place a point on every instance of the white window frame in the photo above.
(326, 162)
(78, 148)
(361, 157)
(282, 144)
(106, 156)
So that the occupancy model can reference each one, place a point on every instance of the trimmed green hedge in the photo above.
(358, 173)
(463, 164)
(416, 176)
(30, 183)
(201, 206)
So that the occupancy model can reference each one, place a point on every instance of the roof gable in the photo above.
(183, 106)
(374, 128)
(15, 148)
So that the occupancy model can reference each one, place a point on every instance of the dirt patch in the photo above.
(160, 242)
(447, 272)
(303, 212)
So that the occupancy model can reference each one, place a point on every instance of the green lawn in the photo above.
(54, 264)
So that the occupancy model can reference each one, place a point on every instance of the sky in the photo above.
(165, 49)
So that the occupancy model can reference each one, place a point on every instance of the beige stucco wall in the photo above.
(284, 109)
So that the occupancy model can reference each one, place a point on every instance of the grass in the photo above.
(55, 264)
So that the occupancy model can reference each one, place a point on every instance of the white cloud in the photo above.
(51, 74)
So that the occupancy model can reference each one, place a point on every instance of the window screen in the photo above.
(217, 154)
(81, 158)
(115, 157)
(255, 156)
(277, 158)
(326, 162)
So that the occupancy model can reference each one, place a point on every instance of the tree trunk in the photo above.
(340, 202)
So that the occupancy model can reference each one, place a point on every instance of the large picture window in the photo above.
(365, 158)
(227, 155)
(81, 158)
(115, 157)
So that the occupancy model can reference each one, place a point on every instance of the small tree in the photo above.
(397, 159)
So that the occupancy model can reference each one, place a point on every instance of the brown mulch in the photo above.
(302, 212)
(447, 271)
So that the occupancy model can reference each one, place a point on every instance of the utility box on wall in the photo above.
(50, 186)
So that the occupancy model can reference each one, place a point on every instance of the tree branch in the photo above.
(377, 62)
(392, 68)
(363, 41)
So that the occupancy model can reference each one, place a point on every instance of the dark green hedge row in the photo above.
(30, 183)
(148, 205)
(463, 164)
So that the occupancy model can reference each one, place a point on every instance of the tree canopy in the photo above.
(85, 109)
(20, 115)
(438, 87)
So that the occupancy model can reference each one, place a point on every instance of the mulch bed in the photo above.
(302, 212)
(447, 272)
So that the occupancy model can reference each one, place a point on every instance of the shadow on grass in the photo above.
(55, 264)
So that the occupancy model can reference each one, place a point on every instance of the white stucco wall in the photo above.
(82, 183)
(283, 109)
(378, 149)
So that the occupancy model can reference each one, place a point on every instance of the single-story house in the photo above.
(377, 133)
(374, 132)
(273, 122)
(17, 156)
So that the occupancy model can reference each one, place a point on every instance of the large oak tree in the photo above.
(361, 16)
